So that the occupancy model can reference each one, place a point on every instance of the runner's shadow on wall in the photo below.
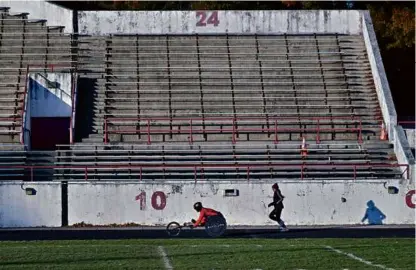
(373, 214)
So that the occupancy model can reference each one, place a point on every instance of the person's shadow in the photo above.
(373, 214)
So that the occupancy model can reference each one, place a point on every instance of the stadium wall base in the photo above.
(307, 203)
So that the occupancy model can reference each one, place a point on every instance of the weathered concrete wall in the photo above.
(379, 74)
(411, 136)
(20, 210)
(396, 134)
(40, 9)
(403, 151)
(306, 203)
(46, 100)
(233, 22)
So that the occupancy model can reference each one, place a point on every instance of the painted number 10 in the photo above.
(158, 200)
(201, 18)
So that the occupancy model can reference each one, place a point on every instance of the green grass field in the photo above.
(211, 254)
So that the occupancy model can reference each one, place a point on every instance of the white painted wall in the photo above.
(40, 9)
(379, 74)
(411, 136)
(306, 203)
(233, 22)
(50, 102)
(20, 210)
(396, 136)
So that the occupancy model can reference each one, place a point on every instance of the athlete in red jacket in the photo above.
(204, 213)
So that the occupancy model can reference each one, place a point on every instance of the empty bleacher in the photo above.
(202, 107)
(226, 107)
(200, 77)
(24, 43)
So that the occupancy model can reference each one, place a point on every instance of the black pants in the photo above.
(275, 214)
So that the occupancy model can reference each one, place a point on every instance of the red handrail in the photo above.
(195, 167)
(234, 130)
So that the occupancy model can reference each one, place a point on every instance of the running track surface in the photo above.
(70, 233)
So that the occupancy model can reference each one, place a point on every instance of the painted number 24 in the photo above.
(201, 17)
(158, 200)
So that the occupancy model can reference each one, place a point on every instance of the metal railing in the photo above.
(196, 168)
(195, 126)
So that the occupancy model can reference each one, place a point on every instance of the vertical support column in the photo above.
(275, 131)
(293, 84)
(324, 84)
(148, 132)
(262, 86)
(191, 140)
(19, 78)
(232, 84)
(170, 85)
(138, 84)
(108, 72)
(343, 72)
(201, 88)
(318, 139)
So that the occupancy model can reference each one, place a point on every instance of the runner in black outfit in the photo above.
(278, 207)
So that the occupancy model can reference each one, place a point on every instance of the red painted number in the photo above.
(158, 200)
(409, 197)
(201, 17)
(161, 203)
(142, 198)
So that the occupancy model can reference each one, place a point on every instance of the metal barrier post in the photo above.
(86, 173)
(148, 132)
(318, 140)
(355, 172)
(301, 171)
(248, 173)
(105, 131)
(233, 137)
(275, 131)
(31, 174)
(191, 140)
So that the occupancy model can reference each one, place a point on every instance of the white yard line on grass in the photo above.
(165, 258)
(352, 256)
(107, 246)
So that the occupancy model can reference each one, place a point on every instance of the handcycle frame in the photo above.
(215, 226)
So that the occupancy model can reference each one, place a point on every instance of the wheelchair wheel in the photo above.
(215, 226)
(173, 229)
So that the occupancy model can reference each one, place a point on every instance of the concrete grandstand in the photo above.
(190, 105)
